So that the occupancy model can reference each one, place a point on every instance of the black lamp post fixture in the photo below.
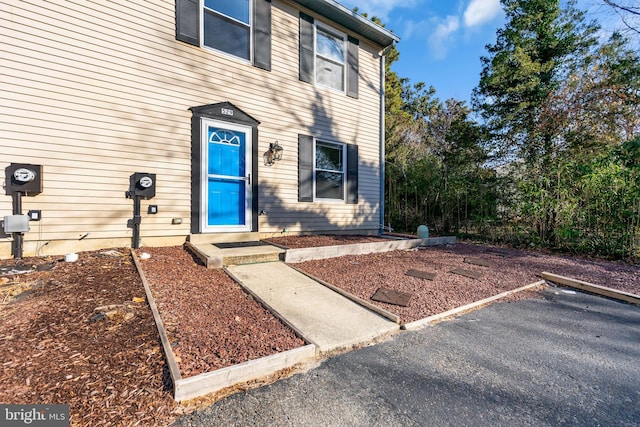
(273, 154)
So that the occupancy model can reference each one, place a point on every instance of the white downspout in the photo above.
(382, 135)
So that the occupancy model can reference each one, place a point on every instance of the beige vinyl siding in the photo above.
(95, 91)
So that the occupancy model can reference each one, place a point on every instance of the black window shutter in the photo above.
(188, 21)
(306, 48)
(262, 35)
(305, 168)
(352, 67)
(352, 174)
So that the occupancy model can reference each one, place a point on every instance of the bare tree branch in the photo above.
(630, 9)
(621, 9)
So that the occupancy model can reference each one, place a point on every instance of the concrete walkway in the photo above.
(318, 314)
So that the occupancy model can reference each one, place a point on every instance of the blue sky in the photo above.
(442, 40)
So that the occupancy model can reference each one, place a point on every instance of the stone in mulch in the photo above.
(390, 296)
(497, 252)
(467, 273)
(478, 261)
(421, 274)
(16, 269)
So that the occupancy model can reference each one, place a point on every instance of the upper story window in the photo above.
(241, 28)
(227, 26)
(330, 58)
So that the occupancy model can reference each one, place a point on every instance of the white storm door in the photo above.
(226, 176)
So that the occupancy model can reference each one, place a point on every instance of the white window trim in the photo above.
(344, 171)
(220, 52)
(334, 32)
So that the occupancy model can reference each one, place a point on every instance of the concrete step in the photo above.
(240, 253)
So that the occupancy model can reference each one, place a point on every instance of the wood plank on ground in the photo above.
(421, 274)
(590, 287)
(497, 252)
(467, 273)
(477, 261)
(391, 296)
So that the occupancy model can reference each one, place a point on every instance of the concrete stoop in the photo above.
(214, 257)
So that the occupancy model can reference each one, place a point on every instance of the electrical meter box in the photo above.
(23, 178)
(142, 184)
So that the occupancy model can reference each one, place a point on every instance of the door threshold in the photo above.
(250, 236)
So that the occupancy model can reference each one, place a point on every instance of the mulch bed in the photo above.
(508, 269)
(110, 371)
(56, 347)
(210, 321)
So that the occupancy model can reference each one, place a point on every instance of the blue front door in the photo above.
(226, 176)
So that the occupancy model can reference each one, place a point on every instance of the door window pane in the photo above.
(226, 200)
(226, 152)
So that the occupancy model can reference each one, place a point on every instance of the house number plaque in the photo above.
(226, 111)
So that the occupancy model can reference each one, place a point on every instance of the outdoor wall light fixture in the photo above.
(273, 154)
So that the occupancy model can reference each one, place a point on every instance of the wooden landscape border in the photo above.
(220, 379)
(324, 252)
(590, 287)
(419, 324)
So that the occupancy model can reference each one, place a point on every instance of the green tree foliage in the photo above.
(556, 162)
(562, 107)
(532, 56)
(536, 50)
(435, 164)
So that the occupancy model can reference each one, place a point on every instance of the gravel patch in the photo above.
(363, 275)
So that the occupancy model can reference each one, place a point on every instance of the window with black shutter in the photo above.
(328, 57)
(241, 28)
(327, 171)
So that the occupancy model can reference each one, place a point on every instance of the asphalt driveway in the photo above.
(566, 359)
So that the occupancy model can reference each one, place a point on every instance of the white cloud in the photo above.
(440, 39)
(379, 8)
(481, 11)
